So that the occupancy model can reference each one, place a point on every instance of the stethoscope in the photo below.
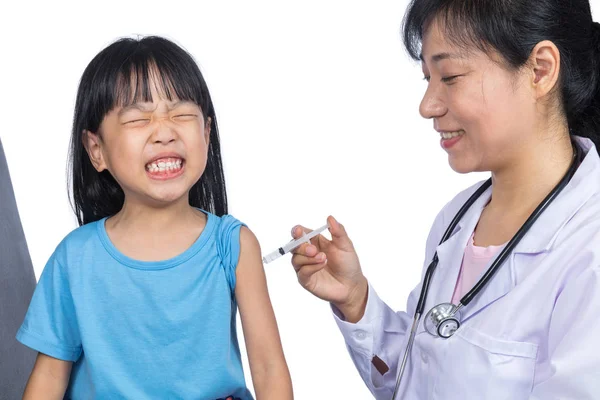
(444, 319)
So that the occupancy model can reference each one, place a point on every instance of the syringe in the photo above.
(293, 244)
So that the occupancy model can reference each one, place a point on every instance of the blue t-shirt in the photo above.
(141, 330)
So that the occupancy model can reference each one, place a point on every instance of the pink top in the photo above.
(475, 260)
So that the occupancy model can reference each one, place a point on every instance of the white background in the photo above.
(317, 105)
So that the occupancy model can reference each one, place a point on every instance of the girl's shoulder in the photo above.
(223, 226)
(81, 242)
(80, 238)
(227, 220)
(227, 240)
(227, 233)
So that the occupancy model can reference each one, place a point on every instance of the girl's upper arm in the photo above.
(49, 378)
(60, 369)
(258, 319)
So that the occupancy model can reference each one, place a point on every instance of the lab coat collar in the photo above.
(584, 184)
(542, 234)
(540, 237)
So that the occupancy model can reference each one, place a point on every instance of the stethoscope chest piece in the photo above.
(442, 320)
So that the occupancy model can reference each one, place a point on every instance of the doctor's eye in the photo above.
(450, 79)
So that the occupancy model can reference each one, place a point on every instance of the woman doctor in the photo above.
(514, 89)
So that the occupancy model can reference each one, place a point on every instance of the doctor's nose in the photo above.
(432, 105)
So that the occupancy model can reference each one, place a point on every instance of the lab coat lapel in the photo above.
(445, 276)
(499, 285)
(541, 235)
(538, 239)
(450, 254)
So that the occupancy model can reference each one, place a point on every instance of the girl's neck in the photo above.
(148, 233)
(136, 216)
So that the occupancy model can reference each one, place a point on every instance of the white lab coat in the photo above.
(532, 333)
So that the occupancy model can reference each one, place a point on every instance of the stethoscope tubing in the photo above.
(487, 276)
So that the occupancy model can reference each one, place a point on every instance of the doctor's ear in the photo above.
(544, 67)
(93, 145)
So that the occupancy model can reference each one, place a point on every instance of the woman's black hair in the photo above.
(513, 28)
(120, 75)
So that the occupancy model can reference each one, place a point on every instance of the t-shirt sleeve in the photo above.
(50, 325)
(229, 247)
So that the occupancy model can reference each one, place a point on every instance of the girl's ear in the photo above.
(93, 145)
(207, 131)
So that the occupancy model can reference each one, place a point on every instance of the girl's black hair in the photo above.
(513, 28)
(119, 76)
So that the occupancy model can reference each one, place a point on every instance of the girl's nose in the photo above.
(164, 132)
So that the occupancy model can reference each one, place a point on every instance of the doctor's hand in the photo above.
(330, 270)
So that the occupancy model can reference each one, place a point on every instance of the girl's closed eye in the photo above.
(185, 117)
(186, 111)
(138, 121)
(134, 118)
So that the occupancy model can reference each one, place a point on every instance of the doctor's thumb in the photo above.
(339, 235)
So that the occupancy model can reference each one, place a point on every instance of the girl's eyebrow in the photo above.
(144, 107)
(147, 107)
(180, 103)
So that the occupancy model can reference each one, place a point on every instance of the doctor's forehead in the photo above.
(440, 56)
(440, 43)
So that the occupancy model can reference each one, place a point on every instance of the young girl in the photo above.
(513, 87)
(140, 301)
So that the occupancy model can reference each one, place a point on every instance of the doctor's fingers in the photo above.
(339, 236)
(300, 261)
(298, 230)
(307, 271)
(318, 240)
(311, 249)
(307, 250)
